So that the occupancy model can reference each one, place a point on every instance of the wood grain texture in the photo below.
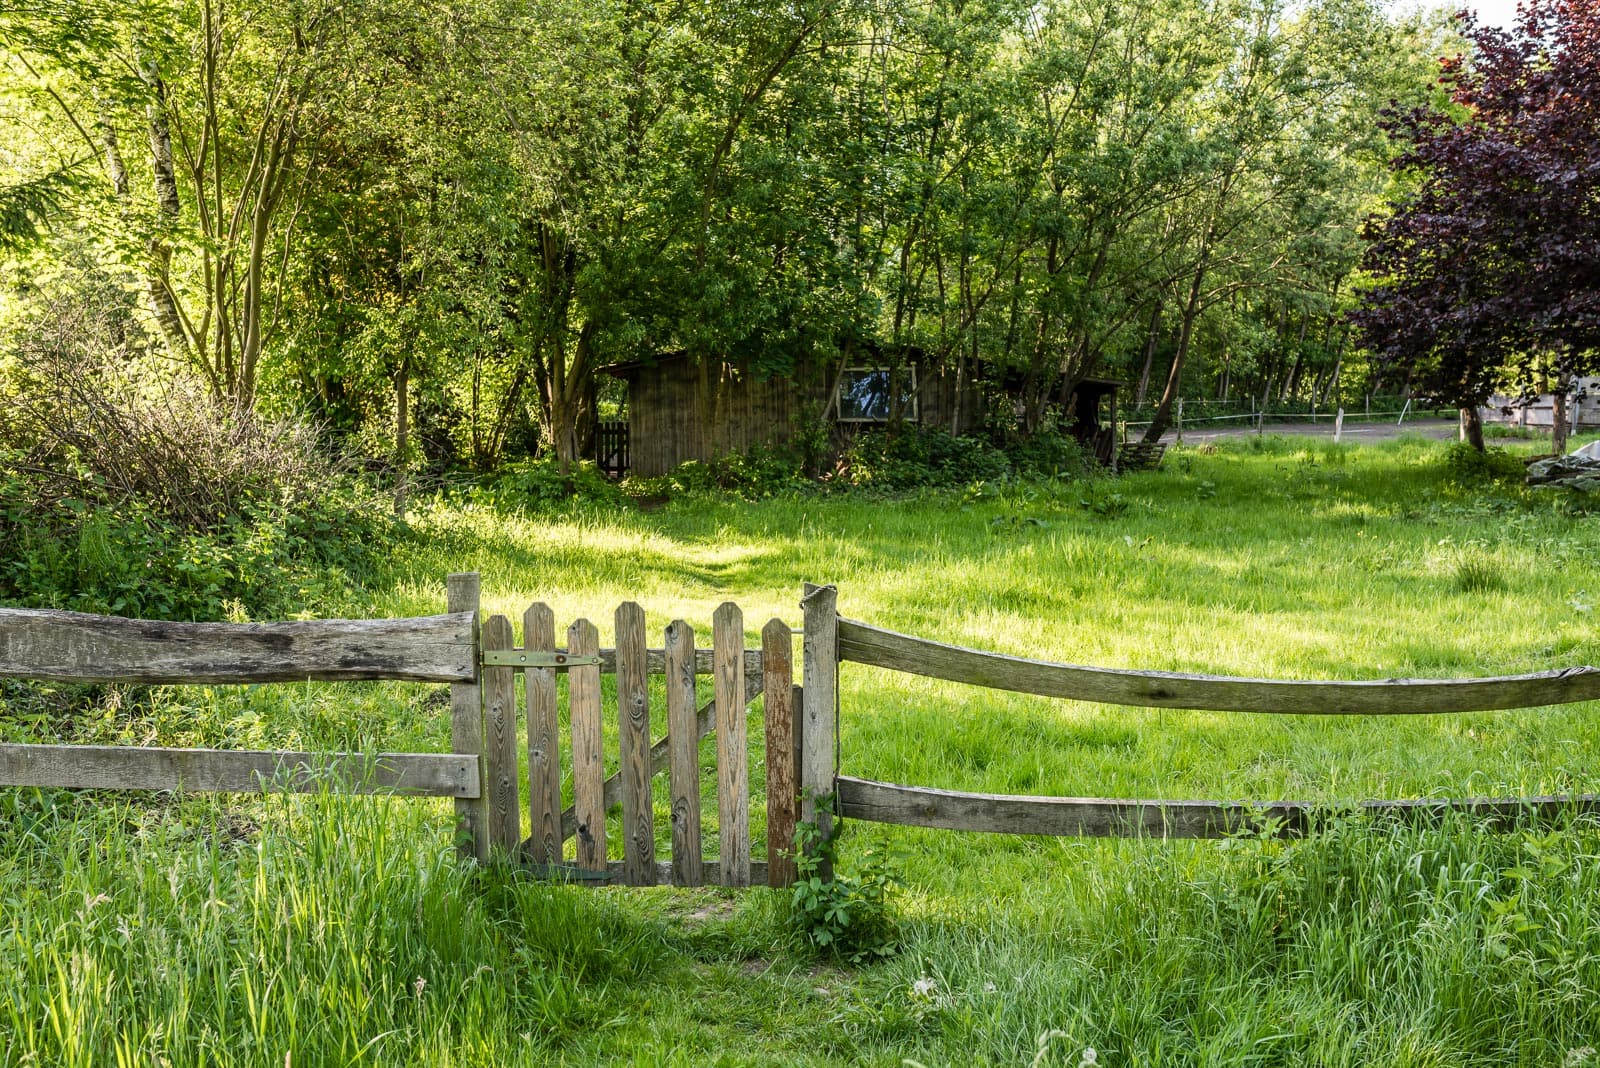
(1097, 817)
(660, 753)
(588, 752)
(733, 770)
(77, 647)
(777, 655)
(683, 746)
(466, 723)
(866, 644)
(633, 734)
(501, 785)
(820, 734)
(106, 767)
(544, 739)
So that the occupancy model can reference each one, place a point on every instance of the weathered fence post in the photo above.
(466, 723)
(820, 738)
(777, 656)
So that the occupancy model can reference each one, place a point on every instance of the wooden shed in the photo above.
(681, 409)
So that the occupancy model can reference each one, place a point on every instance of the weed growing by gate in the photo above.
(847, 916)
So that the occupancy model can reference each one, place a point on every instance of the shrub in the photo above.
(1050, 454)
(1467, 465)
(762, 471)
(92, 423)
(127, 494)
(540, 484)
(917, 456)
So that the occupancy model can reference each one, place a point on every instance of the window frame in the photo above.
(912, 409)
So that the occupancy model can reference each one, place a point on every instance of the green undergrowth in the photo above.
(203, 932)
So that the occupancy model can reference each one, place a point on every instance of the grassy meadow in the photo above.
(320, 930)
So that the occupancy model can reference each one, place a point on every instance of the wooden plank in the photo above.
(109, 767)
(660, 754)
(544, 739)
(683, 739)
(614, 873)
(633, 733)
(77, 647)
(656, 661)
(866, 644)
(500, 778)
(733, 771)
(588, 752)
(820, 736)
(466, 723)
(797, 710)
(1098, 817)
(777, 653)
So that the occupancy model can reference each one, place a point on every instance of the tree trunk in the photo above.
(1559, 415)
(1472, 427)
(158, 272)
(1162, 418)
(1149, 354)
(402, 434)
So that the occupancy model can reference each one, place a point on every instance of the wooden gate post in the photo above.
(466, 723)
(820, 699)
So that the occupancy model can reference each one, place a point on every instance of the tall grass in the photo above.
(146, 931)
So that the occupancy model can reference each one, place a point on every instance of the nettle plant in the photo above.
(847, 916)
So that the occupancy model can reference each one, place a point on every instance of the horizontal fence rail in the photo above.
(106, 767)
(76, 647)
(874, 646)
(1098, 817)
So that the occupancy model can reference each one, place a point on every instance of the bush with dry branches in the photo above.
(126, 487)
(87, 420)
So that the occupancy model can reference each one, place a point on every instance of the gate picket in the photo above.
(588, 751)
(683, 739)
(633, 734)
(733, 773)
(500, 742)
(544, 740)
(777, 665)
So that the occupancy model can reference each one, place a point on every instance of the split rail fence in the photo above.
(1122, 817)
(800, 730)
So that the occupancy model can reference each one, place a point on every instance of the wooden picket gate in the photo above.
(486, 722)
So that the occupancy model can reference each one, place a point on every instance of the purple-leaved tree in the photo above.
(1490, 265)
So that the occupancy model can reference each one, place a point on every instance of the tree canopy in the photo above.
(1488, 266)
(453, 213)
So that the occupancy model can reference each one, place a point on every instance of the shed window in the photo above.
(864, 394)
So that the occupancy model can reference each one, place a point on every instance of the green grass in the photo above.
(141, 930)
